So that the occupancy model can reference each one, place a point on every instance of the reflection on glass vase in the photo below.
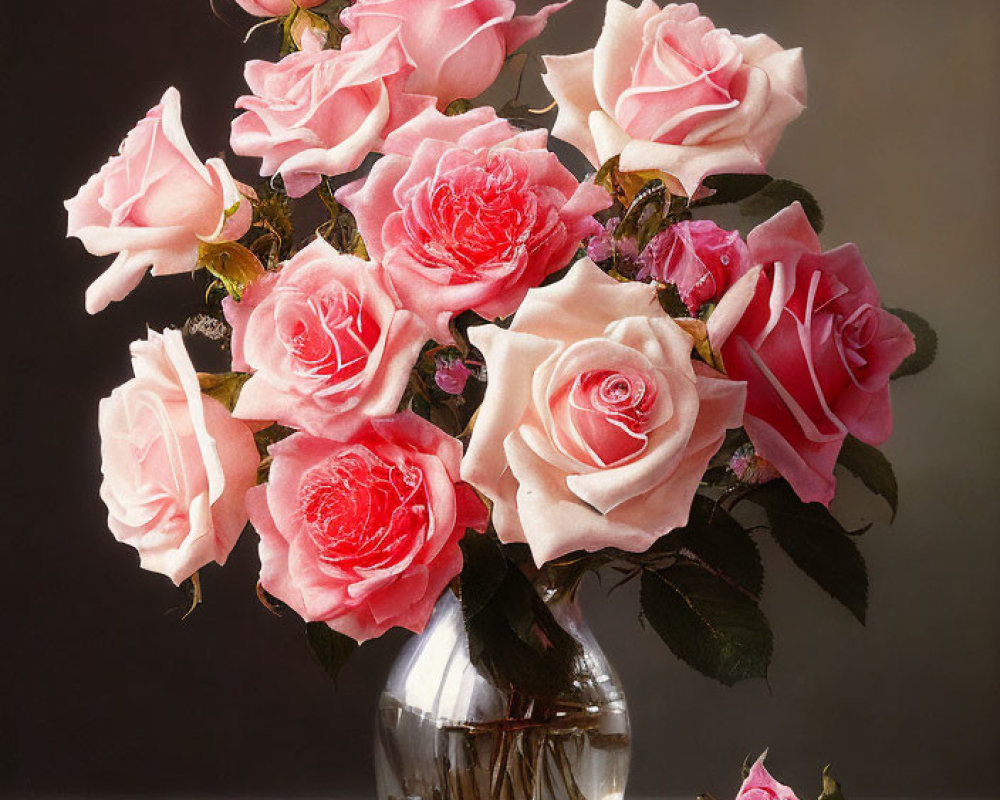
(445, 730)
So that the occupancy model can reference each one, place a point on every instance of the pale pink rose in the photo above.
(362, 534)
(669, 91)
(806, 330)
(759, 785)
(468, 212)
(176, 465)
(597, 426)
(321, 112)
(701, 259)
(238, 313)
(276, 8)
(457, 49)
(326, 342)
(153, 204)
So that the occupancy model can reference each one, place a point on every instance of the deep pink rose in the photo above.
(176, 465)
(759, 785)
(326, 342)
(806, 330)
(362, 534)
(153, 204)
(276, 8)
(467, 212)
(458, 49)
(597, 426)
(669, 91)
(701, 259)
(320, 112)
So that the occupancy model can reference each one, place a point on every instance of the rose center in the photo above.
(476, 218)
(362, 512)
(610, 412)
(860, 328)
(329, 337)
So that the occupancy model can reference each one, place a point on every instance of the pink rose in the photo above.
(597, 426)
(458, 49)
(467, 212)
(669, 91)
(276, 8)
(326, 342)
(363, 533)
(153, 204)
(806, 330)
(320, 112)
(238, 313)
(759, 785)
(701, 259)
(176, 465)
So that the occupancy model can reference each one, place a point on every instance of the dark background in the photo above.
(105, 691)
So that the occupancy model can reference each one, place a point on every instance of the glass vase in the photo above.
(445, 730)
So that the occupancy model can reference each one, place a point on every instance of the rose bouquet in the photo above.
(481, 376)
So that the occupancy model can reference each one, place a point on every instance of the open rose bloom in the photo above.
(362, 532)
(153, 204)
(457, 49)
(468, 213)
(326, 343)
(666, 90)
(320, 112)
(454, 366)
(176, 465)
(600, 426)
(806, 330)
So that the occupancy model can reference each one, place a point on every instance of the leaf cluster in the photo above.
(513, 636)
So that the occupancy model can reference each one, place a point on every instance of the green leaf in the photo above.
(624, 187)
(873, 468)
(831, 789)
(706, 622)
(223, 386)
(332, 649)
(777, 195)
(731, 188)
(461, 106)
(670, 301)
(484, 570)
(817, 543)
(720, 544)
(231, 263)
(926, 340)
(513, 637)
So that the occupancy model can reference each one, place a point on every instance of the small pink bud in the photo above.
(750, 468)
(451, 376)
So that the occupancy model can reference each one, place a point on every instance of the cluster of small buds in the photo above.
(604, 246)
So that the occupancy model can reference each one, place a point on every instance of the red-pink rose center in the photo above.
(362, 512)
(329, 337)
(610, 412)
(475, 219)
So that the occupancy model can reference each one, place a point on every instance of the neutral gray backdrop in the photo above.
(105, 692)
